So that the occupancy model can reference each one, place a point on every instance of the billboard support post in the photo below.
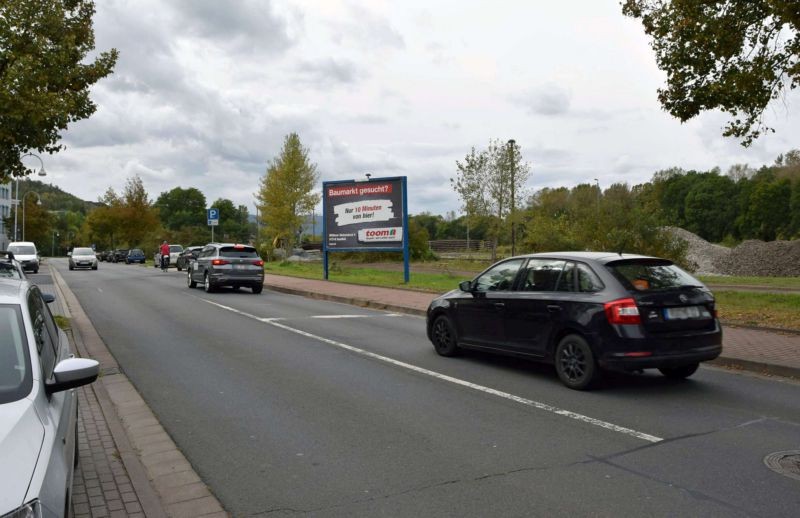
(369, 215)
(406, 274)
(324, 235)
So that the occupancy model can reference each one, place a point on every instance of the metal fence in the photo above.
(461, 248)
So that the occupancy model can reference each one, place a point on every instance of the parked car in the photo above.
(103, 255)
(135, 255)
(227, 264)
(188, 255)
(10, 268)
(174, 252)
(82, 258)
(25, 252)
(38, 411)
(119, 255)
(583, 312)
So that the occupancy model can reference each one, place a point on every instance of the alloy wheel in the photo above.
(573, 362)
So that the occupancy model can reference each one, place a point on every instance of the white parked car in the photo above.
(25, 252)
(82, 258)
(38, 408)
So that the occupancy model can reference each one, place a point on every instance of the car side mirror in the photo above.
(47, 297)
(73, 372)
(465, 286)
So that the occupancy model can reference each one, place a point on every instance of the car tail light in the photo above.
(622, 311)
(218, 262)
(258, 263)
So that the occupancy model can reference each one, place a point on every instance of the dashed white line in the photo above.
(443, 377)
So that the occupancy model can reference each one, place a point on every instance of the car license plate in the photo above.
(239, 266)
(686, 312)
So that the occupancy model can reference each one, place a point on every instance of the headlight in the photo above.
(29, 510)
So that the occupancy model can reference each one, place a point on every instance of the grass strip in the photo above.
(770, 282)
(432, 282)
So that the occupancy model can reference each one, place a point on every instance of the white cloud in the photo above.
(205, 91)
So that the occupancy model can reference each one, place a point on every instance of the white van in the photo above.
(25, 252)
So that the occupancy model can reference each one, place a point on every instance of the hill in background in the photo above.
(53, 197)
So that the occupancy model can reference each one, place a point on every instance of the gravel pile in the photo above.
(750, 258)
(702, 255)
(762, 258)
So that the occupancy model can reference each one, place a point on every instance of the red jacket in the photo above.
(165, 249)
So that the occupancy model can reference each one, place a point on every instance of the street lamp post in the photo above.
(38, 202)
(16, 197)
(511, 143)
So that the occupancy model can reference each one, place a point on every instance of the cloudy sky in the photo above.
(205, 90)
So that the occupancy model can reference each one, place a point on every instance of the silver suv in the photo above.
(227, 264)
(38, 411)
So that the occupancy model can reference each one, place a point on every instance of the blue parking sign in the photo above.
(213, 216)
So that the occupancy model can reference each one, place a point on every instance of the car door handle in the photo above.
(499, 305)
(552, 308)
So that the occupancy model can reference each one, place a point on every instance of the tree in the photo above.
(44, 75)
(181, 208)
(286, 192)
(471, 181)
(484, 182)
(736, 56)
(707, 209)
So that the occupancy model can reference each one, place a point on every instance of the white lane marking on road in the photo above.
(357, 316)
(339, 316)
(444, 377)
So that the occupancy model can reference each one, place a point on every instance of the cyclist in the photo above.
(164, 256)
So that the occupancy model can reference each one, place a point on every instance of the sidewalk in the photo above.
(766, 352)
(129, 466)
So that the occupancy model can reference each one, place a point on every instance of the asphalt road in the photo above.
(289, 405)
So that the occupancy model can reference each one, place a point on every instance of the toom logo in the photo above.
(380, 235)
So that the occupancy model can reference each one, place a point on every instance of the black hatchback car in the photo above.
(582, 311)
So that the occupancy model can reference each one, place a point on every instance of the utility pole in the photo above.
(511, 143)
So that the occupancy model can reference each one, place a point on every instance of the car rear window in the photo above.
(651, 274)
(175, 248)
(240, 251)
(22, 250)
(136, 251)
(15, 368)
(83, 251)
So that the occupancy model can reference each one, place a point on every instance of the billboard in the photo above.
(364, 215)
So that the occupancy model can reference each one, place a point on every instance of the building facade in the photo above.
(6, 210)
